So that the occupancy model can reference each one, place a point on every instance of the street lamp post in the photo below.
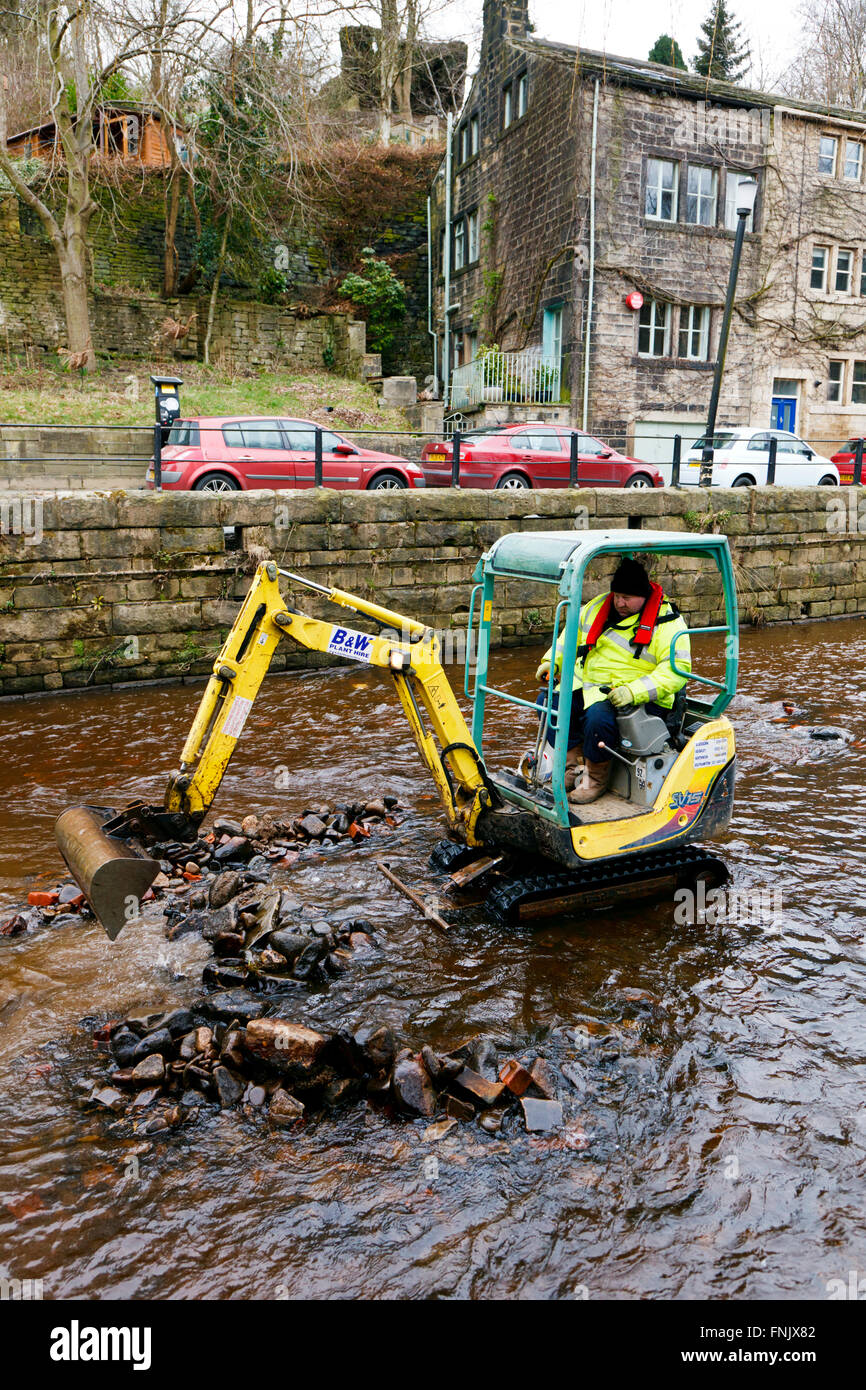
(746, 194)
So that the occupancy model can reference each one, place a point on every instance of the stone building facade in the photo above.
(581, 179)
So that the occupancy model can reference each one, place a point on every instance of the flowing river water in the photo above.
(714, 1142)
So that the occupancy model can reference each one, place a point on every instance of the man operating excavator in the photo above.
(623, 658)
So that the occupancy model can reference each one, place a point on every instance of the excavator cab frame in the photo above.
(561, 559)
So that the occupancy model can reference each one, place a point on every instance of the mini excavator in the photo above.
(672, 785)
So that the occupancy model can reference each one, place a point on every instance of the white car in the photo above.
(742, 455)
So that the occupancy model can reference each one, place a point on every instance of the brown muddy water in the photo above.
(714, 1143)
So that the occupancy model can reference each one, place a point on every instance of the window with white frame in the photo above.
(820, 267)
(459, 244)
(662, 177)
(506, 107)
(694, 336)
(858, 383)
(474, 135)
(835, 377)
(853, 159)
(463, 153)
(654, 329)
(701, 194)
(732, 198)
(472, 243)
(827, 154)
(863, 274)
(522, 94)
(844, 271)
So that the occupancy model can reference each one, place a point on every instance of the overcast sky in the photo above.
(629, 28)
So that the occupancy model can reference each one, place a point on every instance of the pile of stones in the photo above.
(224, 1052)
(252, 849)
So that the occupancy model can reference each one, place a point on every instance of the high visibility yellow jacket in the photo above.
(612, 661)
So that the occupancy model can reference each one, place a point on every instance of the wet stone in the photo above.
(223, 826)
(123, 1045)
(108, 1098)
(515, 1077)
(411, 1087)
(225, 974)
(159, 1041)
(229, 1087)
(314, 951)
(491, 1121)
(481, 1090)
(255, 1096)
(224, 887)
(313, 827)
(459, 1109)
(284, 1109)
(231, 1004)
(145, 1098)
(541, 1114)
(290, 944)
(290, 1047)
(149, 1070)
(544, 1078)
(238, 847)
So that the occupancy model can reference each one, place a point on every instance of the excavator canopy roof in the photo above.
(560, 557)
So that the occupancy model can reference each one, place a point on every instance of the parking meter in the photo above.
(167, 407)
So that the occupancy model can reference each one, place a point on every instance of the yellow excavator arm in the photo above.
(408, 650)
(115, 879)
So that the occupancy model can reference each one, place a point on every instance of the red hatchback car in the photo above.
(844, 461)
(533, 456)
(235, 453)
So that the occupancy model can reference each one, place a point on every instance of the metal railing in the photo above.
(528, 377)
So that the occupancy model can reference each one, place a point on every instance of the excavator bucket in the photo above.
(113, 878)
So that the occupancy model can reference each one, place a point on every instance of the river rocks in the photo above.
(541, 1114)
(515, 1077)
(158, 1041)
(229, 1087)
(231, 1004)
(478, 1088)
(412, 1088)
(149, 1070)
(288, 1047)
(284, 1109)
(224, 887)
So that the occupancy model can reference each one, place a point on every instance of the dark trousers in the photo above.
(589, 727)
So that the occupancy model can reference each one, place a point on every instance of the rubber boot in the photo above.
(573, 769)
(593, 785)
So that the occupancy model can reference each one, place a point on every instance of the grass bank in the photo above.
(122, 394)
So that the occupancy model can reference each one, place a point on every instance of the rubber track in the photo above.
(449, 856)
(505, 899)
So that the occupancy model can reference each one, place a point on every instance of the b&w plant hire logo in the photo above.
(77, 1343)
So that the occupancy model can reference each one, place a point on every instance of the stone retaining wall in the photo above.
(102, 588)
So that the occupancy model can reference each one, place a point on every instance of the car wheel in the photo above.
(513, 482)
(640, 480)
(387, 482)
(216, 482)
(743, 481)
(827, 481)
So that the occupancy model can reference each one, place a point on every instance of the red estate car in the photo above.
(844, 461)
(234, 453)
(527, 456)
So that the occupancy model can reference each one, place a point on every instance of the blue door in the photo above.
(783, 413)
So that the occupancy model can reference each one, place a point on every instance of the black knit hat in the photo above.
(631, 578)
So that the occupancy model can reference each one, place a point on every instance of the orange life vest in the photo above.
(646, 623)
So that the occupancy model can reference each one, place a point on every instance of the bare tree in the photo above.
(831, 65)
(74, 33)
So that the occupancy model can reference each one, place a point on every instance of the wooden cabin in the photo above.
(123, 130)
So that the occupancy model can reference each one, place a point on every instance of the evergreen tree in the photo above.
(667, 50)
(722, 50)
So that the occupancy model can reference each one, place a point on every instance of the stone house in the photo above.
(592, 214)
